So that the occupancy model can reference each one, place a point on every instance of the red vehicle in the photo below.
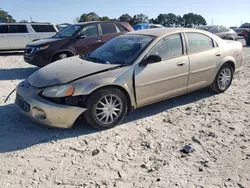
(75, 39)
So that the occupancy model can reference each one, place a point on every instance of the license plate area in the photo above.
(22, 104)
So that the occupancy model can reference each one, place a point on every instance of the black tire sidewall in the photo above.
(92, 102)
(217, 76)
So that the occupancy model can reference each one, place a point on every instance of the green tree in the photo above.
(5, 17)
(171, 20)
(105, 18)
(161, 19)
(93, 16)
(179, 22)
(139, 18)
(89, 17)
(84, 18)
(125, 18)
(192, 20)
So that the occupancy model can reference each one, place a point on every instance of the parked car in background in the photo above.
(128, 72)
(245, 26)
(233, 28)
(221, 31)
(75, 39)
(242, 32)
(15, 36)
(62, 26)
(146, 26)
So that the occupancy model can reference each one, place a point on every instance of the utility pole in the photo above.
(30, 19)
(212, 21)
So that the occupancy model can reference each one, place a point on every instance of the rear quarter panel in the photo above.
(233, 51)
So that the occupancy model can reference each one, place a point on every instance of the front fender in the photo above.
(88, 85)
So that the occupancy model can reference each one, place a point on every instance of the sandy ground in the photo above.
(142, 152)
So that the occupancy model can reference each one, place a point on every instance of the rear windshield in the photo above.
(43, 28)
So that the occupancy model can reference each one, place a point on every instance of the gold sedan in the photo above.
(130, 71)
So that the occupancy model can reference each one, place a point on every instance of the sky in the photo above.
(222, 12)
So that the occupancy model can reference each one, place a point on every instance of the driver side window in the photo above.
(168, 47)
(89, 31)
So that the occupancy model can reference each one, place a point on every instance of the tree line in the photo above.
(5, 17)
(167, 20)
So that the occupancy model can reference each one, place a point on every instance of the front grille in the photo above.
(22, 104)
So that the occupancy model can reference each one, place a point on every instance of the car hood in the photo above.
(44, 41)
(67, 70)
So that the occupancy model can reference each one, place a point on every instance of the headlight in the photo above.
(58, 91)
(36, 49)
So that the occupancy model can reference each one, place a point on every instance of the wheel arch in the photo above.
(229, 60)
(67, 51)
(130, 102)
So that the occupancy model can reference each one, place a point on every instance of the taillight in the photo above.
(244, 33)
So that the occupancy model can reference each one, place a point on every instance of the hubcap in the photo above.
(224, 78)
(108, 109)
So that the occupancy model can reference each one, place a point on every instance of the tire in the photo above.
(216, 86)
(61, 56)
(95, 106)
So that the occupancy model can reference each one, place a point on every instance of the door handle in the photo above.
(217, 54)
(98, 41)
(25, 35)
(181, 63)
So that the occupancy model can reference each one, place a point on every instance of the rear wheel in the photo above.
(223, 79)
(106, 108)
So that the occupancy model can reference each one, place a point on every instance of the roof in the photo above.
(89, 22)
(31, 23)
(160, 31)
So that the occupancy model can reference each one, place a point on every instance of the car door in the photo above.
(88, 39)
(4, 43)
(204, 54)
(164, 79)
(109, 31)
(18, 36)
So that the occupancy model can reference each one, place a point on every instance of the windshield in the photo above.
(67, 31)
(122, 50)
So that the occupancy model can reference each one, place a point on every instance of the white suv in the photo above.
(15, 36)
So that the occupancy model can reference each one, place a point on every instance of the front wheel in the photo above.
(223, 79)
(106, 108)
(61, 56)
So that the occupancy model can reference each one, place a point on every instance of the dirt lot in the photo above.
(142, 152)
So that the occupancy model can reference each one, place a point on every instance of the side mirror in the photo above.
(81, 36)
(151, 59)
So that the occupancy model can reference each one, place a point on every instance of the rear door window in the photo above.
(18, 29)
(4, 29)
(108, 28)
(198, 42)
(43, 28)
(121, 28)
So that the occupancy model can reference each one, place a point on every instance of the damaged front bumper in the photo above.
(44, 111)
